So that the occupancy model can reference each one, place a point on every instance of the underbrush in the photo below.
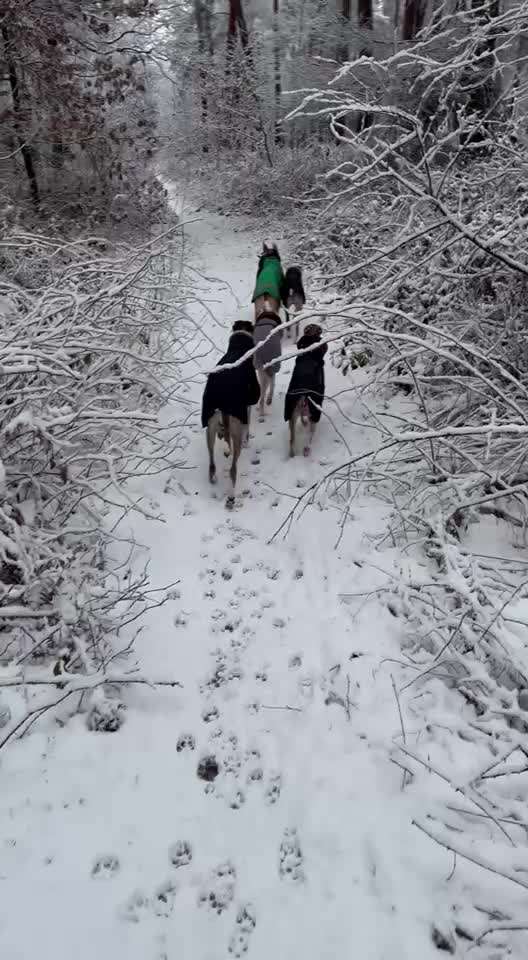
(89, 348)
(238, 183)
(428, 262)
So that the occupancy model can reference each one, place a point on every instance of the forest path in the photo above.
(300, 843)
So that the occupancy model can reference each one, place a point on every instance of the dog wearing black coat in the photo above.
(292, 295)
(305, 394)
(227, 398)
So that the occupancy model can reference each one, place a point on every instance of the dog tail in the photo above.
(305, 411)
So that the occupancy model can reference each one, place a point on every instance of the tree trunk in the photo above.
(277, 72)
(365, 22)
(236, 23)
(346, 15)
(365, 14)
(237, 27)
(25, 149)
(484, 81)
(200, 18)
(413, 18)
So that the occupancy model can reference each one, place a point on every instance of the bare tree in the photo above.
(237, 26)
(69, 74)
(203, 14)
(22, 136)
(277, 71)
(346, 17)
(413, 18)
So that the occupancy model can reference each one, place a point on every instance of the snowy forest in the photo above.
(300, 727)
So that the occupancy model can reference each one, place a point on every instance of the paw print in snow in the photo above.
(136, 904)
(305, 685)
(105, 867)
(210, 714)
(237, 800)
(246, 922)
(164, 899)
(232, 762)
(255, 775)
(290, 857)
(219, 893)
(273, 789)
(180, 853)
(208, 769)
(185, 742)
(105, 715)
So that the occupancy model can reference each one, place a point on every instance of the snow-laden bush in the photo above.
(89, 353)
(425, 235)
(250, 185)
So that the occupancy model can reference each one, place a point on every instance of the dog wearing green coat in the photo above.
(267, 297)
(269, 282)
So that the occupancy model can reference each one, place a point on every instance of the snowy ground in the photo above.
(303, 844)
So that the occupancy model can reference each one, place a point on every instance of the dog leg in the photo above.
(245, 437)
(212, 428)
(261, 377)
(308, 448)
(292, 434)
(271, 386)
(226, 433)
(236, 438)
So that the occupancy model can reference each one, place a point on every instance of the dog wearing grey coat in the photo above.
(268, 340)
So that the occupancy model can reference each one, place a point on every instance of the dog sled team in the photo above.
(247, 377)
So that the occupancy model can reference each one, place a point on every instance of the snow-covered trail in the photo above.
(302, 844)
